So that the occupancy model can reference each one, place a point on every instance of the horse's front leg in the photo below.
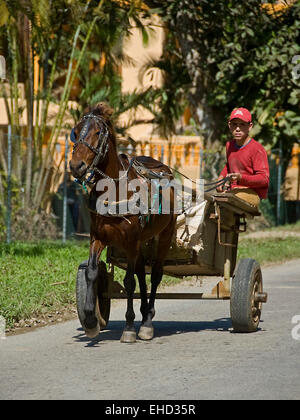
(129, 333)
(141, 274)
(91, 323)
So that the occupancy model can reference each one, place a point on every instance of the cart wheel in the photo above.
(81, 290)
(245, 307)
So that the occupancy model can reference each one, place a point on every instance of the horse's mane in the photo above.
(102, 109)
(105, 111)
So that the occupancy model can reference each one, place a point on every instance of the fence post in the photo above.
(65, 190)
(162, 151)
(8, 215)
(279, 175)
(201, 162)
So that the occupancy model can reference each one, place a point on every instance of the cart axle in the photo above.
(261, 297)
(189, 296)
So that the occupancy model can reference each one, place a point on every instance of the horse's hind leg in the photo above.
(146, 330)
(145, 333)
(164, 242)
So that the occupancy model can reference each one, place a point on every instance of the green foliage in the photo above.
(239, 54)
(268, 211)
(106, 54)
(66, 36)
(16, 201)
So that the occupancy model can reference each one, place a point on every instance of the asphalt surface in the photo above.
(193, 356)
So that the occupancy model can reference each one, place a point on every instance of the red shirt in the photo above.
(251, 161)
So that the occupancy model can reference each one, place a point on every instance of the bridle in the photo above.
(100, 150)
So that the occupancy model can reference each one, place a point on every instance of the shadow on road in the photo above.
(114, 329)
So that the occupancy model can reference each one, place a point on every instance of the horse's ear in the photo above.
(104, 110)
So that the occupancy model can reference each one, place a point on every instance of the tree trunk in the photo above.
(14, 100)
(27, 50)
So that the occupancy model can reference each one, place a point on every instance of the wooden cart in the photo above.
(224, 218)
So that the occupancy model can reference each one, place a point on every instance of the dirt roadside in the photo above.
(270, 234)
(42, 320)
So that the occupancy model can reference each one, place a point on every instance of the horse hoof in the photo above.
(128, 337)
(93, 332)
(146, 333)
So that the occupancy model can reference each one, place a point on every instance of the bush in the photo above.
(267, 209)
(29, 225)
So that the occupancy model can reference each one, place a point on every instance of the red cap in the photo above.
(242, 114)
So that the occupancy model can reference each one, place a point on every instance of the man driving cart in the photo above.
(247, 162)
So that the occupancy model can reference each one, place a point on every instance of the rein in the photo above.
(102, 149)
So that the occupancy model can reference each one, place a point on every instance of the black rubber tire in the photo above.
(81, 290)
(103, 303)
(246, 281)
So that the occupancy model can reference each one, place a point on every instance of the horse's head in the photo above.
(91, 141)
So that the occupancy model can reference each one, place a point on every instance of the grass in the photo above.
(37, 278)
(293, 227)
(270, 250)
(28, 272)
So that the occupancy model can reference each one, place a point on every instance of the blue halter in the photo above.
(72, 136)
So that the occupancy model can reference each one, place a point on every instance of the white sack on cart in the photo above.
(190, 226)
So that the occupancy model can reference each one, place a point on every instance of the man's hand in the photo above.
(235, 176)
(221, 188)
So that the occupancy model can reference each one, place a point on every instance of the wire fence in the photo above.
(278, 209)
(68, 203)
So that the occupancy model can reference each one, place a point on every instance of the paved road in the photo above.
(193, 355)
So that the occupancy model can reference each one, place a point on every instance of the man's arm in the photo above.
(261, 175)
(223, 174)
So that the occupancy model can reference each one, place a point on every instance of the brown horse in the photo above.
(95, 152)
